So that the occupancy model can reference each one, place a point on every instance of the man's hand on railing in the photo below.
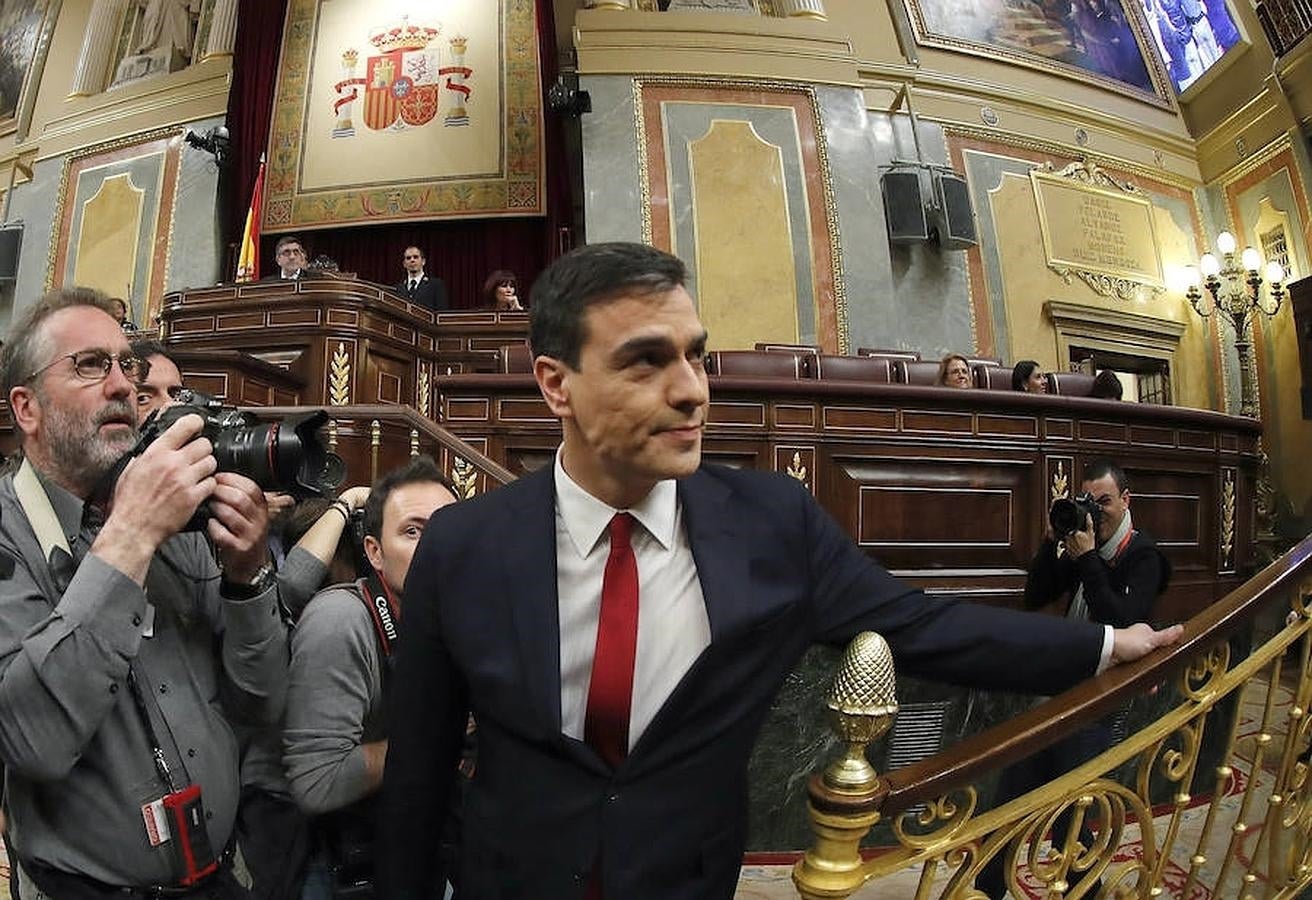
(1137, 641)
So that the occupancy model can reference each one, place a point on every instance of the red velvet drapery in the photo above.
(462, 252)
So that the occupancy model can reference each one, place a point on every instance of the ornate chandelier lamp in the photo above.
(1234, 287)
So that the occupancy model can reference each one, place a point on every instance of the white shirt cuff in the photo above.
(1105, 657)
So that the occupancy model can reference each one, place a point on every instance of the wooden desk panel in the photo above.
(948, 489)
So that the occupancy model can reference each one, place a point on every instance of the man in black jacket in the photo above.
(418, 286)
(1110, 573)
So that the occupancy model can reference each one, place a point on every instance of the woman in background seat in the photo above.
(499, 291)
(954, 372)
(1028, 377)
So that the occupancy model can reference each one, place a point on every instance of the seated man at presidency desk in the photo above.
(621, 652)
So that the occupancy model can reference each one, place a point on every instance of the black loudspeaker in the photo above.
(11, 244)
(904, 207)
(955, 220)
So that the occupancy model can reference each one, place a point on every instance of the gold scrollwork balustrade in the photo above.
(1246, 834)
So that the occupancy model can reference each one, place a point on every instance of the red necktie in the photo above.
(610, 692)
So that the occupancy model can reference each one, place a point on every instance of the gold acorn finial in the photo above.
(862, 702)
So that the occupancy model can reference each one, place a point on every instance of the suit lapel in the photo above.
(532, 597)
(535, 608)
(720, 551)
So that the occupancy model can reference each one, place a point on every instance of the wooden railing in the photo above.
(1214, 793)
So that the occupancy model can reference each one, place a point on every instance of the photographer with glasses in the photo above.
(126, 651)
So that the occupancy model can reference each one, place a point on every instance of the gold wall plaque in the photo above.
(1092, 231)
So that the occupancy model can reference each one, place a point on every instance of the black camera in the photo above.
(1067, 514)
(278, 456)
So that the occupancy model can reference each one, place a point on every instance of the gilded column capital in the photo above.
(801, 9)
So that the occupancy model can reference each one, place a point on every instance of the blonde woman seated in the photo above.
(954, 372)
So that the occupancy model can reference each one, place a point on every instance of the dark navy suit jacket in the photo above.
(430, 293)
(481, 632)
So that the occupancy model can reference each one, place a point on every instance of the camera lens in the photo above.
(1065, 517)
(253, 451)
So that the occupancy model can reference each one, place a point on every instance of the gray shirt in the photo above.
(334, 701)
(261, 760)
(78, 760)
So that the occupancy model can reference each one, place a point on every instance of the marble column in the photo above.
(801, 9)
(223, 30)
(97, 45)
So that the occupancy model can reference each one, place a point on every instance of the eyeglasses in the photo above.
(94, 365)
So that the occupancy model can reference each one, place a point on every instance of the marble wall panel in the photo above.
(33, 205)
(145, 168)
(612, 187)
(196, 251)
(685, 126)
(1275, 185)
(909, 297)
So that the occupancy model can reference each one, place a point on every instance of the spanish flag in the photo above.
(248, 261)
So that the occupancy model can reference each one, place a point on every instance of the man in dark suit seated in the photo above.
(621, 652)
(418, 286)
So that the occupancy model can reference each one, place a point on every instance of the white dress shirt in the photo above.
(673, 628)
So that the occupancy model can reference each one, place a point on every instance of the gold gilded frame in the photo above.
(1109, 281)
(1162, 94)
(25, 102)
(518, 189)
(822, 164)
(171, 172)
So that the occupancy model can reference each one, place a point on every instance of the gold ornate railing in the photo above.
(1210, 799)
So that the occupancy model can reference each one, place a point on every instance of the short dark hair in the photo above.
(588, 276)
(1021, 373)
(1106, 386)
(418, 249)
(418, 469)
(148, 347)
(24, 351)
(1101, 468)
(285, 240)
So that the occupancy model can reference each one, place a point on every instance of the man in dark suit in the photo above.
(620, 621)
(289, 254)
(418, 286)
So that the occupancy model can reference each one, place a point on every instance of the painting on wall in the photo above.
(1191, 36)
(392, 110)
(25, 27)
(1099, 39)
(114, 220)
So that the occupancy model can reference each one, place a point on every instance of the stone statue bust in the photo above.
(167, 25)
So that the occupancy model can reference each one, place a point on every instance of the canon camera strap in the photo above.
(384, 611)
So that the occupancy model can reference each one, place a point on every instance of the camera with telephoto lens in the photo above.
(1067, 514)
(284, 455)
